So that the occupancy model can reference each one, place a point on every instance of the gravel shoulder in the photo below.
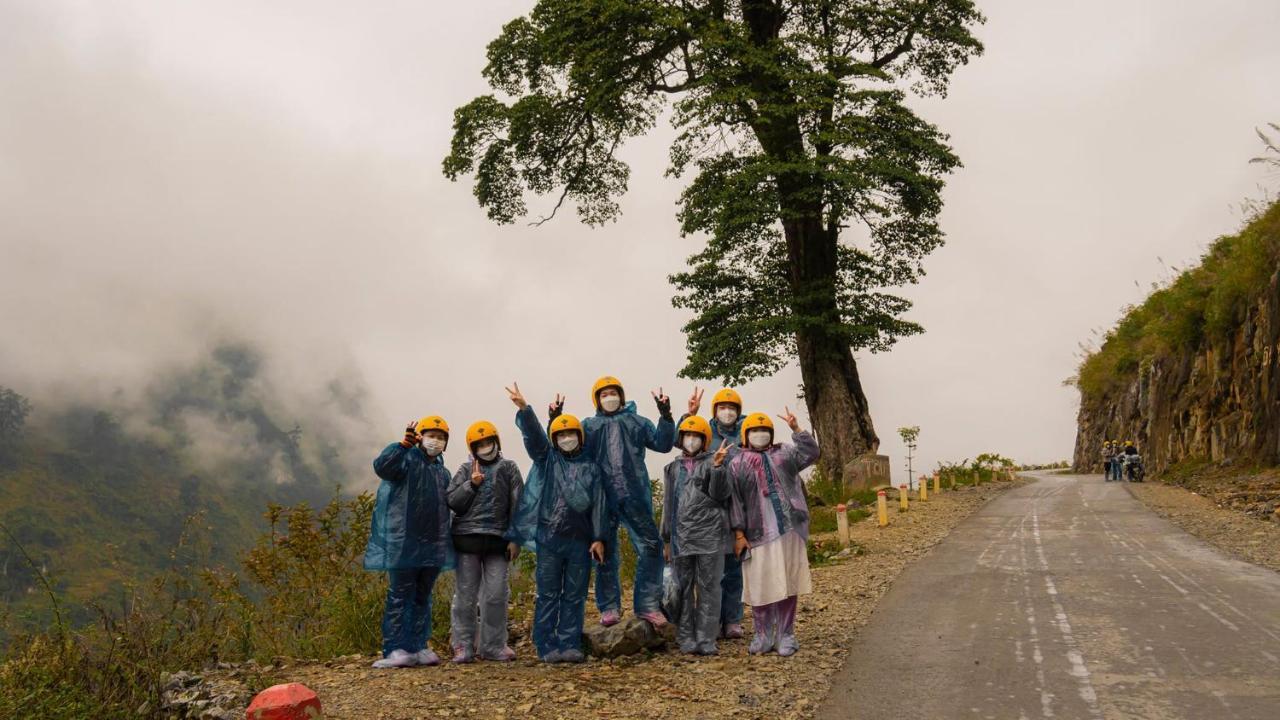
(1232, 531)
(665, 685)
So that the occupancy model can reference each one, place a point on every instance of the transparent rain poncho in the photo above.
(563, 506)
(410, 527)
(489, 508)
(618, 442)
(768, 495)
(694, 498)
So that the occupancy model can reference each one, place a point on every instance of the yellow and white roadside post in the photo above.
(937, 483)
(924, 489)
(882, 508)
(902, 497)
(842, 524)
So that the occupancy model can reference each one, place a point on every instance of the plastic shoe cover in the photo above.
(654, 618)
(760, 643)
(572, 656)
(461, 654)
(506, 654)
(788, 645)
(428, 657)
(397, 659)
(733, 631)
(610, 617)
(689, 648)
(553, 657)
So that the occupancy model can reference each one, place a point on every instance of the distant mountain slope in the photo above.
(1193, 373)
(100, 495)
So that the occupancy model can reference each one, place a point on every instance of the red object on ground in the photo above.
(291, 701)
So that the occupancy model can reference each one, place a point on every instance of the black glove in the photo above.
(664, 407)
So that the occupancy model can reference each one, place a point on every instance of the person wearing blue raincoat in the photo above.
(726, 426)
(409, 538)
(617, 436)
(563, 518)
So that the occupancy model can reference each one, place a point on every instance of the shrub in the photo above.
(1203, 303)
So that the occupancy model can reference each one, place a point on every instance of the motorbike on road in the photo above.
(1134, 470)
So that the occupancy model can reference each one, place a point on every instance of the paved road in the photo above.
(1067, 598)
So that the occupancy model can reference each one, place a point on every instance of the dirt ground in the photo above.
(1243, 535)
(666, 685)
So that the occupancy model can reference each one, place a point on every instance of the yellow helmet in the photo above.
(696, 424)
(606, 382)
(753, 421)
(565, 423)
(1128, 443)
(481, 430)
(433, 422)
(727, 395)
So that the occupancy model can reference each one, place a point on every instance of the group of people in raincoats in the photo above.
(734, 522)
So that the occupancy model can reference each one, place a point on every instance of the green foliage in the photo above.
(793, 117)
(823, 551)
(307, 594)
(909, 435)
(823, 491)
(823, 519)
(14, 409)
(1203, 303)
(985, 467)
(114, 666)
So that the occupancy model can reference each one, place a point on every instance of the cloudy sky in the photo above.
(174, 173)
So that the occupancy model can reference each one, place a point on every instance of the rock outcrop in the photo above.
(1218, 401)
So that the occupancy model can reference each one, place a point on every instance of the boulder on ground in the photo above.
(628, 637)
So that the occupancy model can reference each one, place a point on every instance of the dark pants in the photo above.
(731, 591)
(406, 618)
(562, 580)
(643, 532)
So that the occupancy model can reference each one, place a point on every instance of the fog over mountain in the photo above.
(180, 181)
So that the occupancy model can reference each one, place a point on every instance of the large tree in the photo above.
(816, 187)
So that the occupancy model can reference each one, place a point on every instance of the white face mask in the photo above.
(610, 403)
(487, 451)
(691, 443)
(568, 442)
(433, 446)
(727, 415)
(760, 439)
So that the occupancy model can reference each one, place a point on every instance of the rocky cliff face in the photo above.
(1218, 401)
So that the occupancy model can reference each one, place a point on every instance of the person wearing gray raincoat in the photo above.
(484, 496)
(695, 533)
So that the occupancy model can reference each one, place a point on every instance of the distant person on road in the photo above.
(564, 518)
(409, 538)
(1107, 453)
(695, 533)
(726, 424)
(484, 495)
(770, 522)
(1117, 461)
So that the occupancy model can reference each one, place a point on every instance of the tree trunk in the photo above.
(832, 389)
